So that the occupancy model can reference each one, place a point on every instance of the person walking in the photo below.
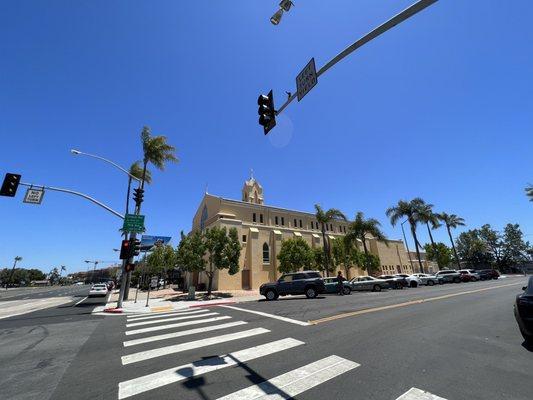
(340, 283)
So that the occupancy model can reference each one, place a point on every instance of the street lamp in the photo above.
(284, 5)
(94, 268)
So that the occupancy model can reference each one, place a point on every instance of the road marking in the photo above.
(132, 318)
(158, 321)
(417, 394)
(161, 308)
(292, 321)
(176, 325)
(182, 333)
(166, 377)
(178, 348)
(405, 304)
(297, 381)
(85, 298)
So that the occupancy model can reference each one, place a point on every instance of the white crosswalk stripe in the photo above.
(160, 315)
(150, 339)
(417, 394)
(176, 325)
(158, 321)
(162, 378)
(176, 348)
(297, 381)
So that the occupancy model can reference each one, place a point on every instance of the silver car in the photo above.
(429, 280)
(368, 283)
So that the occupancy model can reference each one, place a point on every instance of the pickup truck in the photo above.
(309, 283)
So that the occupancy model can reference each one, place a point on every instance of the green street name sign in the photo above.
(133, 223)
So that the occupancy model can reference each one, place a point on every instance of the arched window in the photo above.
(266, 254)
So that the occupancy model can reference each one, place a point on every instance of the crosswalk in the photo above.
(170, 335)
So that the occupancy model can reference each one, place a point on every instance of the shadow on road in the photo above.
(293, 298)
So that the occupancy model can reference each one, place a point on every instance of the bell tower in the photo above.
(252, 191)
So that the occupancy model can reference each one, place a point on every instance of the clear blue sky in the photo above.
(439, 107)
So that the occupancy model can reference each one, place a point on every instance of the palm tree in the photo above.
(137, 171)
(452, 221)
(427, 216)
(63, 268)
(362, 227)
(156, 150)
(529, 192)
(408, 209)
(17, 259)
(324, 218)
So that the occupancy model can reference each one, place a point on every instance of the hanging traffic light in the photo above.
(10, 185)
(125, 250)
(267, 114)
(138, 195)
(136, 247)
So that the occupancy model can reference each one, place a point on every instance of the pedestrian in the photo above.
(340, 283)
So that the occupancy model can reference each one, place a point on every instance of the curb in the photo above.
(113, 310)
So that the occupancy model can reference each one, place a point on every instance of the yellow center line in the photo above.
(405, 304)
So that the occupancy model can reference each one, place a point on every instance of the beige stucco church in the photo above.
(262, 229)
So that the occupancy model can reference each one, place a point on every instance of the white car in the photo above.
(100, 289)
(429, 280)
(79, 283)
(412, 280)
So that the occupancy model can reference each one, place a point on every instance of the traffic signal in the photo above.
(138, 195)
(10, 185)
(136, 247)
(130, 267)
(267, 114)
(125, 250)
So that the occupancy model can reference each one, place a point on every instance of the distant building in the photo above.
(262, 229)
(429, 266)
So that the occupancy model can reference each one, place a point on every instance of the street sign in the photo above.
(133, 223)
(306, 80)
(147, 242)
(34, 196)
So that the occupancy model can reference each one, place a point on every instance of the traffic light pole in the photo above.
(391, 23)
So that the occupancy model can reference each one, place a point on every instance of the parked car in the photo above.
(98, 290)
(79, 283)
(469, 275)
(332, 286)
(309, 283)
(430, 280)
(449, 276)
(485, 274)
(523, 311)
(395, 282)
(412, 280)
(368, 283)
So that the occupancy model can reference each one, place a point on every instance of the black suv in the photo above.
(309, 283)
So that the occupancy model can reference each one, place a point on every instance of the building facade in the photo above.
(263, 228)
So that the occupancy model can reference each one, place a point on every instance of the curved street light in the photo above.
(78, 152)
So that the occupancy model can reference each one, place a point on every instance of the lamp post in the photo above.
(94, 268)
(406, 244)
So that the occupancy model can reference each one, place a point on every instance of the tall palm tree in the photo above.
(156, 150)
(428, 217)
(323, 218)
(452, 221)
(529, 192)
(137, 171)
(362, 227)
(63, 268)
(409, 210)
(17, 259)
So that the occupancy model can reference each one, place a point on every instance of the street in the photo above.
(456, 341)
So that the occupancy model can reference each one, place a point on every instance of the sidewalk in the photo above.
(166, 300)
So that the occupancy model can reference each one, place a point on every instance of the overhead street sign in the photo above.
(34, 196)
(306, 80)
(133, 223)
(147, 242)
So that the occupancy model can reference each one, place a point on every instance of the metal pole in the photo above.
(148, 294)
(77, 152)
(77, 194)
(391, 23)
(407, 245)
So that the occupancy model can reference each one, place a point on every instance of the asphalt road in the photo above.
(26, 293)
(453, 341)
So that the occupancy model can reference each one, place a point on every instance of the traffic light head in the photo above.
(10, 185)
(130, 267)
(136, 246)
(138, 195)
(266, 111)
(125, 250)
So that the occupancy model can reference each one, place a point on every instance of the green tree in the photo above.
(494, 243)
(160, 260)
(295, 254)
(221, 250)
(473, 250)
(191, 251)
(409, 210)
(136, 169)
(529, 192)
(324, 217)
(35, 274)
(318, 259)
(360, 228)
(156, 151)
(54, 276)
(440, 253)
(428, 217)
(370, 263)
(515, 249)
(452, 221)
(345, 254)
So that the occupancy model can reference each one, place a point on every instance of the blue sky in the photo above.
(438, 107)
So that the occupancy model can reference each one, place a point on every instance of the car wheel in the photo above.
(346, 290)
(310, 292)
(376, 288)
(271, 295)
(457, 280)
(474, 279)
(413, 284)
(430, 283)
